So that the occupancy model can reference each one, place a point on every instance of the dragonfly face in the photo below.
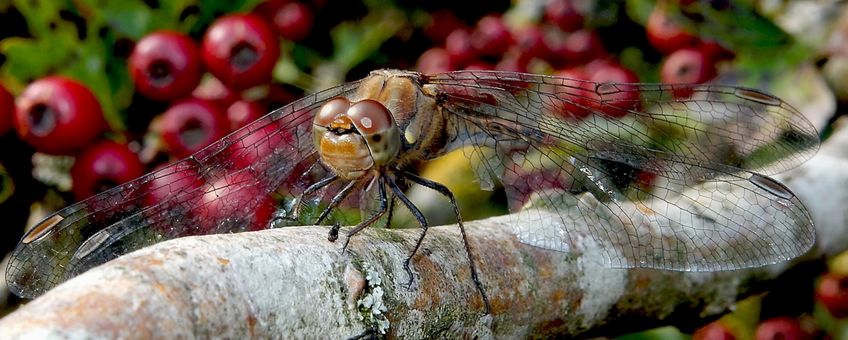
(352, 139)
(626, 165)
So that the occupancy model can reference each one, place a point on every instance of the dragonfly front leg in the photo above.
(298, 204)
(334, 232)
(381, 210)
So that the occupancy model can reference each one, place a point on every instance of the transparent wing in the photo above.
(271, 155)
(660, 176)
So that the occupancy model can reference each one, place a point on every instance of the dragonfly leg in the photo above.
(390, 213)
(422, 221)
(308, 191)
(334, 232)
(384, 205)
(340, 196)
(447, 193)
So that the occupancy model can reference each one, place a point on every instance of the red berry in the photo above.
(102, 166)
(614, 100)
(459, 48)
(240, 50)
(572, 98)
(530, 40)
(715, 51)
(434, 60)
(192, 124)
(564, 15)
(512, 62)
(234, 198)
(293, 21)
(211, 89)
(243, 112)
(832, 292)
(607, 71)
(687, 66)
(576, 48)
(713, 331)
(176, 179)
(783, 328)
(442, 23)
(589, 69)
(165, 65)
(267, 8)
(7, 110)
(479, 66)
(58, 115)
(666, 35)
(491, 36)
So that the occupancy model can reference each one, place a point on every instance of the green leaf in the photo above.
(640, 10)
(211, 10)
(7, 185)
(26, 60)
(355, 42)
(88, 66)
(130, 18)
(40, 15)
(662, 333)
(634, 59)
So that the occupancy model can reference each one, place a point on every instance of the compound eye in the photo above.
(370, 117)
(330, 110)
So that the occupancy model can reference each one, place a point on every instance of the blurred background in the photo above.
(96, 93)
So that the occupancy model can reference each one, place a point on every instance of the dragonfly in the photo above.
(695, 160)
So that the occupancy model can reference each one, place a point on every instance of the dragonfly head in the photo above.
(353, 137)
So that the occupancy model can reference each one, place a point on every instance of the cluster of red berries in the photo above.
(831, 293)
(782, 327)
(61, 116)
(689, 60)
(562, 42)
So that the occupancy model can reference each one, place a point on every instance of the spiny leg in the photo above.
(376, 215)
(340, 196)
(390, 213)
(334, 232)
(447, 193)
(308, 191)
(422, 221)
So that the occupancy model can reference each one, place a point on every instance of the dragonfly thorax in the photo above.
(352, 138)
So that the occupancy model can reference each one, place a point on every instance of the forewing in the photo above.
(673, 184)
(219, 189)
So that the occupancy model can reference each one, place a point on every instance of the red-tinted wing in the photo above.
(225, 187)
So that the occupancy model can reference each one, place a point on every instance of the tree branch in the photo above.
(292, 282)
